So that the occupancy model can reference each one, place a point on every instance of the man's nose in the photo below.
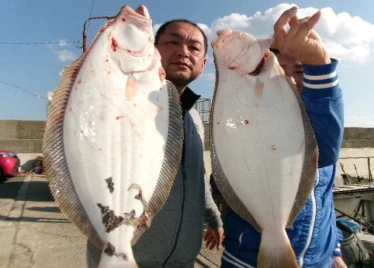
(183, 50)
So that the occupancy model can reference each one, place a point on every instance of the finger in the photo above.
(307, 24)
(282, 22)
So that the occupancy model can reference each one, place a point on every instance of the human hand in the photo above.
(300, 42)
(214, 238)
(339, 263)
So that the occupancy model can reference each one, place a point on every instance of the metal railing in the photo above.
(361, 161)
(203, 106)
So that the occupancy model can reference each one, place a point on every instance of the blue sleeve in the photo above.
(337, 251)
(323, 101)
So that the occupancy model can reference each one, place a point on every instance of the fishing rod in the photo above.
(85, 33)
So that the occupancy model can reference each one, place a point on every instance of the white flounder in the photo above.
(114, 137)
(264, 153)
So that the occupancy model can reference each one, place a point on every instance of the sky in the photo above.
(41, 37)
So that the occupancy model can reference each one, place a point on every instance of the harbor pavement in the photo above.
(35, 234)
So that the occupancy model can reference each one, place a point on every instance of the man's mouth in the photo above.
(181, 64)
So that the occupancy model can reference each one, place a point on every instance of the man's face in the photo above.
(182, 53)
(292, 68)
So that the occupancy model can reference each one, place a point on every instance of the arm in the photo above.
(214, 233)
(321, 94)
(323, 101)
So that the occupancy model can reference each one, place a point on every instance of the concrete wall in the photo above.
(21, 136)
(26, 136)
(358, 137)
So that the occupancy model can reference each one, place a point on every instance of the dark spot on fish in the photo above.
(110, 220)
(274, 148)
(218, 123)
(129, 51)
(123, 19)
(110, 183)
(131, 215)
(114, 44)
(119, 117)
(245, 122)
(110, 250)
(123, 255)
(80, 81)
(234, 68)
(139, 196)
(144, 220)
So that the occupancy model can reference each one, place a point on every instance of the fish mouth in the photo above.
(140, 13)
(221, 34)
(142, 10)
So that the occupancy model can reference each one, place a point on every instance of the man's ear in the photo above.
(204, 64)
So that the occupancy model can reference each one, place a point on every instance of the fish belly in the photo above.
(111, 138)
(114, 137)
(259, 142)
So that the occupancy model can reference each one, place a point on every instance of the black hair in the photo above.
(163, 27)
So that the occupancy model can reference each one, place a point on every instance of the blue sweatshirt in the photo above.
(314, 235)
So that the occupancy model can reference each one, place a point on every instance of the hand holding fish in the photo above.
(214, 238)
(300, 42)
(339, 263)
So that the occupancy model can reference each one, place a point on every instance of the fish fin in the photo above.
(60, 182)
(310, 164)
(132, 87)
(276, 252)
(173, 156)
(259, 88)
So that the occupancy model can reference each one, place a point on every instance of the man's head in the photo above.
(291, 67)
(183, 46)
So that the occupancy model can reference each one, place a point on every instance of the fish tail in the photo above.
(276, 252)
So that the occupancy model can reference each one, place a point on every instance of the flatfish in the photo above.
(263, 148)
(114, 137)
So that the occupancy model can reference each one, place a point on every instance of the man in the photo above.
(314, 235)
(175, 236)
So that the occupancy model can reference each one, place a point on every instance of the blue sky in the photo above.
(40, 37)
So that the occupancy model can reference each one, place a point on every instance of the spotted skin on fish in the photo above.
(114, 137)
(263, 149)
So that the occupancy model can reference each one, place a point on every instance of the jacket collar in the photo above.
(188, 99)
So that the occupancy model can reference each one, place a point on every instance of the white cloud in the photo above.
(209, 77)
(359, 121)
(155, 28)
(346, 37)
(65, 55)
(63, 43)
(63, 51)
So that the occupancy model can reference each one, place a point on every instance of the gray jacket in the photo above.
(175, 236)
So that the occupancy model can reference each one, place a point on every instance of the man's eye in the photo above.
(172, 42)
